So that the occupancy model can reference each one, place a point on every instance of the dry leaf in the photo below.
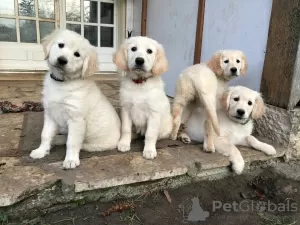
(168, 196)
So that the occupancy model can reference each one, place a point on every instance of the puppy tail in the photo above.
(211, 111)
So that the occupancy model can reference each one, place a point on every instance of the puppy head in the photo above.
(228, 64)
(142, 56)
(242, 104)
(70, 55)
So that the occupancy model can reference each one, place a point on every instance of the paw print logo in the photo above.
(197, 213)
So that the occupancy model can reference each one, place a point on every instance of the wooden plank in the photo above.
(278, 79)
(144, 18)
(199, 31)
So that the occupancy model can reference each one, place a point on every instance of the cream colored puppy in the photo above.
(202, 84)
(72, 104)
(240, 106)
(142, 97)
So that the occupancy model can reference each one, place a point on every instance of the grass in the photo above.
(130, 217)
(278, 220)
(3, 219)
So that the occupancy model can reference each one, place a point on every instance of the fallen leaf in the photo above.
(168, 196)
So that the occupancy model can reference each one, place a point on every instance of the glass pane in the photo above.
(8, 30)
(107, 37)
(7, 7)
(91, 33)
(73, 10)
(46, 28)
(46, 9)
(28, 31)
(26, 8)
(90, 12)
(107, 13)
(74, 27)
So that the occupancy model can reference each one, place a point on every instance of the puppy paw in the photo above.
(173, 136)
(71, 163)
(123, 146)
(238, 167)
(149, 153)
(208, 147)
(39, 153)
(269, 150)
(183, 137)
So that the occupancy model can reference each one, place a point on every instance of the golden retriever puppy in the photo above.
(202, 84)
(241, 106)
(143, 100)
(72, 104)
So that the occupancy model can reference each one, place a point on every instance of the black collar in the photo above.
(56, 78)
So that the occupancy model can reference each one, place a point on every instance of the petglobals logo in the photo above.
(253, 206)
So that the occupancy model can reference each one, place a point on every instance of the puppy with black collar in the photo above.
(241, 106)
(73, 105)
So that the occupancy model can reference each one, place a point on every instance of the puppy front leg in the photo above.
(76, 129)
(49, 130)
(124, 143)
(254, 143)
(153, 126)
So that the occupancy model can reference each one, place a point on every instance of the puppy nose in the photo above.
(233, 69)
(240, 112)
(139, 61)
(62, 60)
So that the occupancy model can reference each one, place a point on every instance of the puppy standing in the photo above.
(202, 84)
(241, 106)
(142, 97)
(74, 105)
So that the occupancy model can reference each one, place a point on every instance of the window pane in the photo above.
(26, 8)
(46, 28)
(107, 13)
(28, 31)
(91, 33)
(7, 7)
(107, 37)
(8, 30)
(73, 10)
(74, 27)
(46, 9)
(90, 12)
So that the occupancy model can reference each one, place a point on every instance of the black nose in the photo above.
(62, 60)
(240, 112)
(139, 61)
(233, 69)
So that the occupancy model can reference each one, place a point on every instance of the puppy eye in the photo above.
(226, 61)
(238, 61)
(249, 103)
(77, 54)
(133, 49)
(236, 99)
(149, 51)
(61, 45)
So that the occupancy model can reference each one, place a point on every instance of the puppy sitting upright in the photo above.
(73, 105)
(142, 95)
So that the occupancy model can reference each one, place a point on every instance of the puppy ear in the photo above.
(226, 99)
(90, 64)
(244, 64)
(215, 64)
(120, 57)
(258, 108)
(161, 63)
(47, 42)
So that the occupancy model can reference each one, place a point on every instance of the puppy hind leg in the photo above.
(208, 144)
(177, 110)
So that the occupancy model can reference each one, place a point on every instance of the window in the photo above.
(26, 21)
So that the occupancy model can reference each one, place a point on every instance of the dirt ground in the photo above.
(265, 199)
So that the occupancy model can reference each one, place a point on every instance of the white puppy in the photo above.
(240, 106)
(201, 85)
(142, 97)
(73, 105)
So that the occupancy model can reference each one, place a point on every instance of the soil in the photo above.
(264, 199)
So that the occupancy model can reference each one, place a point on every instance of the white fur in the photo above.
(144, 105)
(75, 106)
(232, 130)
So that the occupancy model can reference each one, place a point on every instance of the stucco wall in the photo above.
(238, 24)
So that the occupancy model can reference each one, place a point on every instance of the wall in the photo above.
(137, 17)
(238, 24)
(173, 24)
